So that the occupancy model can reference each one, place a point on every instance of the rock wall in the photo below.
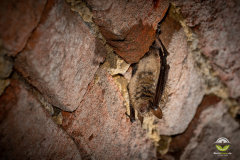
(65, 67)
(28, 131)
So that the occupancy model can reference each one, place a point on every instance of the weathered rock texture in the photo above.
(210, 123)
(59, 52)
(61, 57)
(3, 84)
(128, 26)
(101, 129)
(115, 64)
(180, 142)
(186, 88)
(27, 131)
(217, 26)
(214, 123)
(81, 8)
(17, 21)
(207, 23)
(6, 64)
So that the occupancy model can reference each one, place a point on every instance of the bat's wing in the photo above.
(162, 79)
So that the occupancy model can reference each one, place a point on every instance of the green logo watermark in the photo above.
(222, 149)
(222, 144)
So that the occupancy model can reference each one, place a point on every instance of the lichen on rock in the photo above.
(80, 7)
(164, 144)
(6, 64)
(115, 64)
(212, 82)
(122, 85)
(3, 84)
(77, 54)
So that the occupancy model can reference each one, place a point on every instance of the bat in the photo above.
(148, 83)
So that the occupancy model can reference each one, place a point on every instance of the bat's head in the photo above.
(145, 109)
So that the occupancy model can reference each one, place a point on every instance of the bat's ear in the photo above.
(157, 112)
(140, 117)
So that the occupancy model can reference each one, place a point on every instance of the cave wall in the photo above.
(65, 67)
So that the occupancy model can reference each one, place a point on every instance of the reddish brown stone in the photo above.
(169, 26)
(28, 131)
(135, 45)
(101, 129)
(218, 28)
(61, 57)
(128, 26)
(17, 21)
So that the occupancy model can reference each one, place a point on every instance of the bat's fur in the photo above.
(142, 86)
(148, 86)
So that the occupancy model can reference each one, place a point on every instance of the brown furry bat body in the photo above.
(143, 83)
(147, 86)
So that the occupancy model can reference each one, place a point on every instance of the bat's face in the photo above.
(144, 107)
(145, 110)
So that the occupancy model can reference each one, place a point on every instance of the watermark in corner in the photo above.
(222, 145)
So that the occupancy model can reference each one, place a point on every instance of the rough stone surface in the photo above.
(122, 84)
(17, 21)
(128, 26)
(214, 122)
(179, 142)
(27, 131)
(218, 28)
(210, 122)
(81, 8)
(6, 65)
(115, 64)
(61, 57)
(186, 87)
(3, 84)
(101, 129)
